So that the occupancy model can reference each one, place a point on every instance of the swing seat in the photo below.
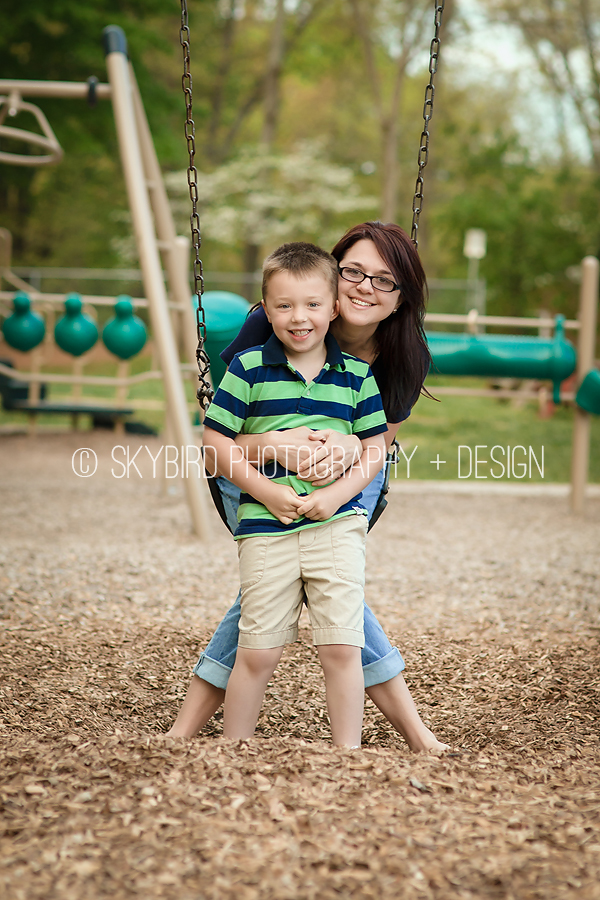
(47, 140)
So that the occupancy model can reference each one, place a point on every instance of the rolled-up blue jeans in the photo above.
(380, 661)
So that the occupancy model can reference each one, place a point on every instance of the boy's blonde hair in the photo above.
(301, 259)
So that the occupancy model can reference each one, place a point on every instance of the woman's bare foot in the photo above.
(394, 700)
(201, 703)
(428, 743)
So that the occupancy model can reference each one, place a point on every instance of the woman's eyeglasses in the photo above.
(379, 282)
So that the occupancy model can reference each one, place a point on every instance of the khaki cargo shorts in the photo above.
(325, 563)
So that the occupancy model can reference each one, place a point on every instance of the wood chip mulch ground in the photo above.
(105, 602)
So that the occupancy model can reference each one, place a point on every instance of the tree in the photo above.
(392, 34)
(61, 40)
(564, 37)
(534, 218)
(256, 39)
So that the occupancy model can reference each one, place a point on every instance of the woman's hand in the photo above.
(284, 446)
(333, 453)
(317, 456)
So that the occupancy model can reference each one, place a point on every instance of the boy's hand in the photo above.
(283, 501)
(320, 505)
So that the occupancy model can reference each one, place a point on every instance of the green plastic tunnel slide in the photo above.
(505, 356)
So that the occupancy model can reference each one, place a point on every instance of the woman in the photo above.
(381, 296)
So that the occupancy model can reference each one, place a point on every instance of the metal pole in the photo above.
(586, 346)
(472, 278)
(67, 90)
(115, 46)
(176, 249)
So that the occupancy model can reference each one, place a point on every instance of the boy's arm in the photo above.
(325, 502)
(223, 455)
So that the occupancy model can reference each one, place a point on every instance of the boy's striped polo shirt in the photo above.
(262, 391)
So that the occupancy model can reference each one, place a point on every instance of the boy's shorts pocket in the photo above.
(348, 540)
(252, 554)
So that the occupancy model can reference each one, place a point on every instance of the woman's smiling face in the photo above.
(362, 304)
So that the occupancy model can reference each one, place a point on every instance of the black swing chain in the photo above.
(434, 55)
(205, 391)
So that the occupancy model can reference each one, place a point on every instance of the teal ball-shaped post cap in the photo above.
(125, 335)
(224, 313)
(76, 332)
(23, 329)
(588, 395)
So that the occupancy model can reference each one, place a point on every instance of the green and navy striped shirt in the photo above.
(262, 392)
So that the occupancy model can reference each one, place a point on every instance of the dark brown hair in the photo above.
(300, 259)
(402, 351)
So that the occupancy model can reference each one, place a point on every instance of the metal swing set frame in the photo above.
(153, 226)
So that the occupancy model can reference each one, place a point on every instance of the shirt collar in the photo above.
(273, 353)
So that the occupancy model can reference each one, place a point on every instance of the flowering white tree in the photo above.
(261, 199)
(266, 198)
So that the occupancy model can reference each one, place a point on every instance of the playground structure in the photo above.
(154, 232)
(545, 359)
(172, 318)
(37, 333)
(76, 333)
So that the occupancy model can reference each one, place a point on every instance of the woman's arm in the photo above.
(390, 434)
(317, 456)
(302, 450)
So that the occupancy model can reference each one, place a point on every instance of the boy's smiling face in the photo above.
(300, 309)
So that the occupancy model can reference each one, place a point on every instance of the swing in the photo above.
(12, 105)
(205, 392)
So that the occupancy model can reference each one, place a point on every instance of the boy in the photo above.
(293, 537)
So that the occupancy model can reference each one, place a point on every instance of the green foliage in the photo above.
(60, 40)
(64, 214)
(533, 218)
(564, 40)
